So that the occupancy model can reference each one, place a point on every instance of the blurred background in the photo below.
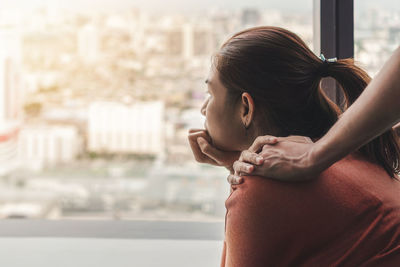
(96, 99)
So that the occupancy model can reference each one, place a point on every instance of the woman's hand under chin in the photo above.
(281, 158)
(205, 152)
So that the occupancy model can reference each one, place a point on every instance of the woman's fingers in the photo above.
(195, 130)
(205, 152)
(200, 132)
(209, 150)
(242, 167)
(251, 157)
(194, 145)
(281, 158)
(260, 141)
(234, 179)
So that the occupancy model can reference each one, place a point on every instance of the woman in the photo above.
(265, 80)
(375, 111)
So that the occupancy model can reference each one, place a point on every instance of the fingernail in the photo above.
(248, 168)
(259, 159)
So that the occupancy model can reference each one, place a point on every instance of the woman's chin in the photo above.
(222, 144)
(225, 147)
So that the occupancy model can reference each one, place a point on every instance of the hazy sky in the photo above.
(188, 5)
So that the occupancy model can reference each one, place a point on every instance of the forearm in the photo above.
(374, 112)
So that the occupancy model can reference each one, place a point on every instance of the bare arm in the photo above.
(375, 111)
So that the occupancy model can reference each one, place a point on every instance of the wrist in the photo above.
(317, 159)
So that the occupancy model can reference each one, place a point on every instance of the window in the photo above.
(376, 32)
(96, 102)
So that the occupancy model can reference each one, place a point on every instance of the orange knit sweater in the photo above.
(348, 216)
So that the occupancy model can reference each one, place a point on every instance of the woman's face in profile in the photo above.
(222, 118)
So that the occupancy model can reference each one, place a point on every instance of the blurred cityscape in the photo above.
(95, 107)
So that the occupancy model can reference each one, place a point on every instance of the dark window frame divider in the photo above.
(333, 29)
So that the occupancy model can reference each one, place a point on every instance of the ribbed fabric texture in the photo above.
(348, 216)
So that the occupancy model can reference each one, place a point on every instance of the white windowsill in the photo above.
(109, 243)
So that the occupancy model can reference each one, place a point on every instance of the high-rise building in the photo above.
(88, 44)
(187, 31)
(203, 41)
(10, 98)
(10, 87)
(188, 41)
(174, 42)
(250, 17)
(10, 75)
(41, 146)
(136, 128)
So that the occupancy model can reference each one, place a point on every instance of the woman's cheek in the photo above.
(212, 124)
(218, 132)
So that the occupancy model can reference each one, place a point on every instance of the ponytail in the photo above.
(384, 149)
(283, 76)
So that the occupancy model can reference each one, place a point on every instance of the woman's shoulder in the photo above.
(356, 171)
(257, 191)
(344, 203)
(349, 182)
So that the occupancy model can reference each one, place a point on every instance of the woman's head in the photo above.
(266, 80)
(227, 122)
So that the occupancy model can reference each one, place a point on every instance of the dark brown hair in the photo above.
(284, 77)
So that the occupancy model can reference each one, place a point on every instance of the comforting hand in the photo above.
(281, 158)
(205, 152)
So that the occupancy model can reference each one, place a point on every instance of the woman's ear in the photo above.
(247, 109)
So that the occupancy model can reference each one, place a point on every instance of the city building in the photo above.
(136, 128)
(88, 44)
(10, 88)
(188, 41)
(8, 147)
(92, 70)
(174, 41)
(203, 41)
(41, 146)
(10, 98)
(250, 17)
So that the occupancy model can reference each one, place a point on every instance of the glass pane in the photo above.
(96, 100)
(376, 32)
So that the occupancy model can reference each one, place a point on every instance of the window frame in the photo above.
(125, 229)
(333, 30)
(333, 33)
